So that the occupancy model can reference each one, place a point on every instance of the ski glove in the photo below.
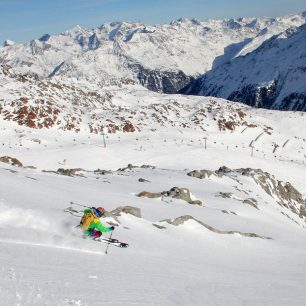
(111, 228)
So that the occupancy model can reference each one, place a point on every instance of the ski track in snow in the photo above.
(44, 260)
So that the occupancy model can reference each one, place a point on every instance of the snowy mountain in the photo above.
(210, 194)
(272, 76)
(163, 58)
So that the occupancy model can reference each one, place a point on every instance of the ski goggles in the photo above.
(97, 214)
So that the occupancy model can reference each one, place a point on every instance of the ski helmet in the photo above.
(99, 212)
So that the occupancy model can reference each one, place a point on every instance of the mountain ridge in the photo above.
(163, 58)
(271, 76)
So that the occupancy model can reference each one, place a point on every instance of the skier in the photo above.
(91, 224)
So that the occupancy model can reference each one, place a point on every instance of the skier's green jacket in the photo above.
(90, 222)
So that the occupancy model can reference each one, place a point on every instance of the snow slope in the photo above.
(272, 76)
(45, 261)
(77, 129)
(243, 246)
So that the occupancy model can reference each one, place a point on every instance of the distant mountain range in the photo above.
(272, 76)
(258, 61)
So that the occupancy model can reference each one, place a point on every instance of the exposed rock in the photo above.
(147, 167)
(128, 167)
(102, 172)
(150, 195)
(127, 210)
(228, 212)
(159, 226)
(284, 193)
(230, 195)
(289, 193)
(30, 167)
(257, 96)
(169, 82)
(223, 170)
(250, 201)
(182, 194)
(8, 43)
(128, 127)
(201, 173)
(303, 211)
(68, 172)
(225, 195)
(196, 202)
(175, 192)
(10, 160)
(181, 220)
(142, 180)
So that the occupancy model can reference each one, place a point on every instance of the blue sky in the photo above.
(23, 20)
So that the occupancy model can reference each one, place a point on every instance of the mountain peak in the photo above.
(44, 38)
(73, 31)
(8, 43)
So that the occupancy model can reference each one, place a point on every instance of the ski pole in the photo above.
(71, 202)
(110, 237)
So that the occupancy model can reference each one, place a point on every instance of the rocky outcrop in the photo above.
(150, 195)
(256, 96)
(225, 195)
(134, 211)
(181, 194)
(229, 195)
(251, 202)
(181, 220)
(142, 180)
(294, 101)
(223, 170)
(102, 172)
(208, 173)
(169, 82)
(69, 172)
(10, 160)
(131, 167)
(283, 192)
(175, 192)
(201, 174)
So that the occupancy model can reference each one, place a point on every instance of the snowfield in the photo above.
(245, 245)
(209, 194)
